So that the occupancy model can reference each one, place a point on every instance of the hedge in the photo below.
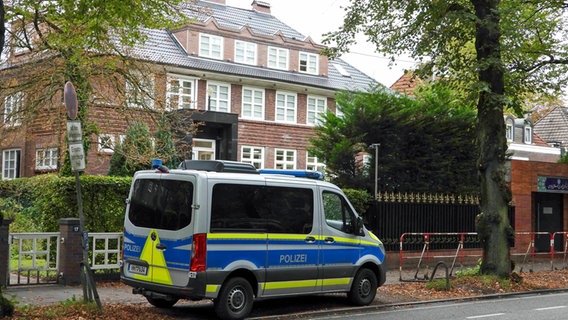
(47, 198)
(44, 199)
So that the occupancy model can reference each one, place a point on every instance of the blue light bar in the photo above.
(296, 173)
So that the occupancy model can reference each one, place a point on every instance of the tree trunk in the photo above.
(492, 223)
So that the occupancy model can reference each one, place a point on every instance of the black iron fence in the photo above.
(394, 214)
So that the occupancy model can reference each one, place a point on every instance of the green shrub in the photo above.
(47, 198)
(438, 285)
(470, 271)
(360, 199)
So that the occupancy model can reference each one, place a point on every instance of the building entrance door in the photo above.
(548, 218)
(203, 149)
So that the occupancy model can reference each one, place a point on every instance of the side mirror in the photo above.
(360, 227)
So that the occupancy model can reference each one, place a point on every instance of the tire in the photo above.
(162, 303)
(364, 288)
(235, 299)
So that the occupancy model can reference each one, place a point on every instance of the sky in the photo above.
(315, 17)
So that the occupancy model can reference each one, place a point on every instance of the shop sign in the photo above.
(552, 184)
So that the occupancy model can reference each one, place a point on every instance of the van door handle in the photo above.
(161, 247)
(329, 240)
(310, 239)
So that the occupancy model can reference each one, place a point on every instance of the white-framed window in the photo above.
(284, 159)
(278, 58)
(11, 164)
(245, 52)
(210, 46)
(106, 143)
(181, 92)
(509, 131)
(140, 91)
(253, 155)
(527, 137)
(218, 96)
(338, 112)
(312, 163)
(309, 63)
(316, 108)
(286, 107)
(46, 159)
(253, 103)
(13, 106)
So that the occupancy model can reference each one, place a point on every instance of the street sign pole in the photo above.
(78, 164)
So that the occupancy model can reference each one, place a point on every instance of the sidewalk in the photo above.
(119, 293)
(53, 294)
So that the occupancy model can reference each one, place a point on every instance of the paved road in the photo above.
(551, 306)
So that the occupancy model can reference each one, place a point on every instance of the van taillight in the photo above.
(198, 252)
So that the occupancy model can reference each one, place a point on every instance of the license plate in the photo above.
(138, 269)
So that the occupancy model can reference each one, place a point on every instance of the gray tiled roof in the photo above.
(553, 127)
(162, 48)
(237, 18)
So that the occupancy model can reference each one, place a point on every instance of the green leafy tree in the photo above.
(426, 143)
(134, 153)
(496, 51)
(84, 42)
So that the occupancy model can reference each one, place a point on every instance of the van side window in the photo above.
(338, 214)
(261, 209)
(161, 204)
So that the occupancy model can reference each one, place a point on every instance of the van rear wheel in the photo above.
(235, 299)
(364, 288)
(162, 303)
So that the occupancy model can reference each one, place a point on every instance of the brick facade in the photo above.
(524, 177)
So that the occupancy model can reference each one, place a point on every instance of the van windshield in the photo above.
(161, 204)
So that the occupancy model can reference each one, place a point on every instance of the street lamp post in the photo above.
(376, 147)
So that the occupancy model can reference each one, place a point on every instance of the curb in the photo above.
(351, 310)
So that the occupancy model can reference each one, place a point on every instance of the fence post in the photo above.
(4, 251)
(71, 251)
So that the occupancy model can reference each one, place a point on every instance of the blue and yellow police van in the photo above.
(224, 231)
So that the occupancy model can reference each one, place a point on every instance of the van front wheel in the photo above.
(364, 288)
(235, 299)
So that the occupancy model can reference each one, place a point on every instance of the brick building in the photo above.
(255, 85)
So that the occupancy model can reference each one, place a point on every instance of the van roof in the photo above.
(233, 176)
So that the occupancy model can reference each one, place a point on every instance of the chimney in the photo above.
(261, 6)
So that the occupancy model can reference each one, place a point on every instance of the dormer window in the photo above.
(245, 52)
(278, 58)
(527, 135)
(509, 131)
(510, 128)
(210, 46)
(308, 63)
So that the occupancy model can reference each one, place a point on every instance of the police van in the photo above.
(224, 231)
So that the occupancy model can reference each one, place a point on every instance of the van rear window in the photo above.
(161, 204)
(250, 208)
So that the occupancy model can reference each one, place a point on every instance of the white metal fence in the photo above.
(35, 257)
